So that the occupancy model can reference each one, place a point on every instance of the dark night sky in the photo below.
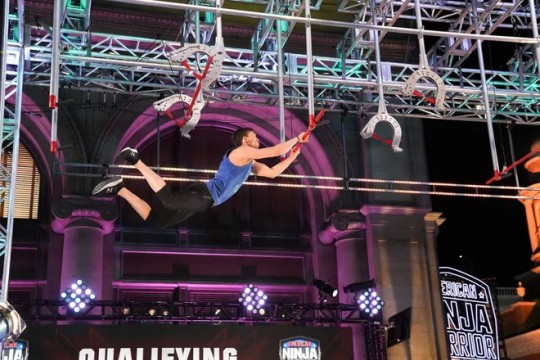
(490, 234)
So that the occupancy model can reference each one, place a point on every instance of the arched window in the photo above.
(27, 186)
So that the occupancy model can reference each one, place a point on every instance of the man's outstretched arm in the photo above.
(271, 151)
(260, 169)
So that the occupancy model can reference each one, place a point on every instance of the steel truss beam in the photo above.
(134, 65)
(452, 52)
(124, 64)
(196, 312)
(197, 31)
(446, 12)
(497, 14)
(457, 15)
(268, 30)
(366, 25)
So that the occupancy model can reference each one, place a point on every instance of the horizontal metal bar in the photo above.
(331, 23)
(334, 183)
(193, 312)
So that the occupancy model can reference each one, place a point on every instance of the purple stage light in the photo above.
(77, 296)
(253, 300)
(369, 302)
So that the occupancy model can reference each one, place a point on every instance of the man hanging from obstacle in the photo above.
(236, 166)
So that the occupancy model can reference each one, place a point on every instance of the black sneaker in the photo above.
(130, 155)
(109, 186)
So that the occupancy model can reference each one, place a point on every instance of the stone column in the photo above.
(532, 211)
(433, 221)
(346, 229)
(530, 279)
(404, 264)
(84, 222)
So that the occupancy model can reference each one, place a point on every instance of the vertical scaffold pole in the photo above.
(485, 97)
(309, 55)
(55, 72)
(534, 26)
(15, 148)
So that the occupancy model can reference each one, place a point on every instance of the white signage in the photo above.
(158, 354)
(471, 325)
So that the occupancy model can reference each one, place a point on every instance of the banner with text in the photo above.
(471, 325)
(187, 342)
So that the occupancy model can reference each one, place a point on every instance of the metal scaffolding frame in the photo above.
(125, 64)
(69, 55)
(13, 56)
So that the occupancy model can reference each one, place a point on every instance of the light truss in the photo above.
(268, 30)
(441, 12)
(196, 312)
(490, 15)
(358, 43)
(171, 174)
(197, 31)
(452, 52)
(446, 51)
(126, 64)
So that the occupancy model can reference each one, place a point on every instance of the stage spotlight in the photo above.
(77, 296)
(11, 324)
(325, 288)
(165, 312)
(126, 309)
(254, 300)
(152, 311)
(369, 302)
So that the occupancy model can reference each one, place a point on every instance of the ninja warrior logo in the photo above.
(299, 348)
(14, 350)
(471, 327)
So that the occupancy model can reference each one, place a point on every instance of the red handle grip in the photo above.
(312, 124)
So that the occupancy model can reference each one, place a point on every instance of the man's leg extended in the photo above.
(187, 201)
(115, 186)
(155, 181)
(140, 206)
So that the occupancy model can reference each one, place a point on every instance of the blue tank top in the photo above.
(229, 178)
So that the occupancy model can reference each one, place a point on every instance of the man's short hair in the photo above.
(239, 134)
